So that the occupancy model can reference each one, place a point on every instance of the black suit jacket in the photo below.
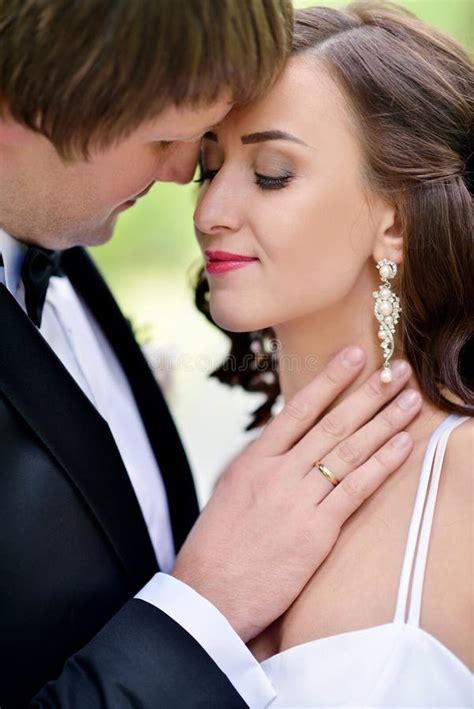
(74, 547)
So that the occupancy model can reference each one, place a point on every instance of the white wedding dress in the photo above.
(397, 664)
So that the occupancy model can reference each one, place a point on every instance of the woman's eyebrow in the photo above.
(261, 137)
(270, 135)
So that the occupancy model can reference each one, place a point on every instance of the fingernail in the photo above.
(353, 356)
(399, 369)
(408, 399)
(401, 440)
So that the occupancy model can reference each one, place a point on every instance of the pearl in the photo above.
(386, 376)
(385, 293)
(385, 272)
(381, 334)
(385, 308)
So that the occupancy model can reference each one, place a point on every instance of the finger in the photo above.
(300, 413)
(356, 487)
(348, 416)
(355, 450)
(317, 486)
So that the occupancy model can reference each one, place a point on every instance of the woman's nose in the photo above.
(218, 209)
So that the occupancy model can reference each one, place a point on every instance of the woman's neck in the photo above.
(308, 343)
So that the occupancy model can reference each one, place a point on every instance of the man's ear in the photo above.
(389, 240)
(13, 133)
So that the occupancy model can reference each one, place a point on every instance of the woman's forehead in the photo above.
(304, 102)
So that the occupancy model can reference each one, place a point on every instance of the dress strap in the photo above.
(431, 470)
(425, 534)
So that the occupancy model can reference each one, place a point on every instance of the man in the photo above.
(98, 101)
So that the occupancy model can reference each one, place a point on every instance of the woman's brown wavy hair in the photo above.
(411, 91)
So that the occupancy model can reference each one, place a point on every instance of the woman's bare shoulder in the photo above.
(459, 451)
(457, 476)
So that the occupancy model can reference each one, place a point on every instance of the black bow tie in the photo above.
(38, 267)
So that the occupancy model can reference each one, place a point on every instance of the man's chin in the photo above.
(99, 236)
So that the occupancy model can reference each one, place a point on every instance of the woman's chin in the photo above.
(236, 320)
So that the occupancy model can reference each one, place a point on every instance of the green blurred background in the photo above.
(148, 265)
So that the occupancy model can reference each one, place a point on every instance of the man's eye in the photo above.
(273, 183)
(164, 144)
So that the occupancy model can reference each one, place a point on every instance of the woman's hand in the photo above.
(274, 517)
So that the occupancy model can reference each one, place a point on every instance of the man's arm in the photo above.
(140, 659)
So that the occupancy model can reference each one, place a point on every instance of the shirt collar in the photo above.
(13, 253)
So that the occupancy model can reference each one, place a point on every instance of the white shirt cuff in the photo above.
(214, 633)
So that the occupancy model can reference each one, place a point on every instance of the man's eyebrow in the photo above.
(261, 137)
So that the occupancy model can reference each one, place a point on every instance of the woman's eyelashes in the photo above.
(264, 182)
(205, 175)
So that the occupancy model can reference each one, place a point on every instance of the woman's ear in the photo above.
(389, 240)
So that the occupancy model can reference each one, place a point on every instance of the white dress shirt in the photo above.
(74, 335)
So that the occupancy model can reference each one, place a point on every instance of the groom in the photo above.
(98, 100)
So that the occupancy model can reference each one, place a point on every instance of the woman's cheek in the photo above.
(293, 228)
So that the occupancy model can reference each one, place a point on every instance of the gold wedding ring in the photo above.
(327, 474)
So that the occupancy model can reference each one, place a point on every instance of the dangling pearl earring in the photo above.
(387, 311)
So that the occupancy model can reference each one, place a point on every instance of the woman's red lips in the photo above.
(226, 256)
(222, 261)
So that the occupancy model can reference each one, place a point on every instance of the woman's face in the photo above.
(284, 188)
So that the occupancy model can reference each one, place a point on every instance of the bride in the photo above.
(347, 191)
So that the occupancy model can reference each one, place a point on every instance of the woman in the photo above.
(350, 181)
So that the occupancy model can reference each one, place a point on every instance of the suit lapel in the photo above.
(156, 417)
(48, 399)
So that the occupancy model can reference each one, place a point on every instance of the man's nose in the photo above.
(180, 164)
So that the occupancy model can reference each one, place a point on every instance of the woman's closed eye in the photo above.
(264, 182)
(267, 182)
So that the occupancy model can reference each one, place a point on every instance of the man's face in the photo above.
(56, 204)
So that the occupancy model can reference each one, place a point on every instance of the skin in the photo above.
(56, 204)
(317, 239)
